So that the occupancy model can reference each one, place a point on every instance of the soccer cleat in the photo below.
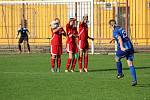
(58, 70)
(85, 70)
(72, 70)
(52, 70)
(120, 76)
(134, 83)
(66, 71)
(80, 70)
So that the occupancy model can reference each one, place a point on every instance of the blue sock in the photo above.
(119, 67)
(133, 73)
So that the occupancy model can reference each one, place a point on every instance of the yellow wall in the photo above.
(39, 18)
(139, 21)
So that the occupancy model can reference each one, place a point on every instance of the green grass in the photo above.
(28, 77)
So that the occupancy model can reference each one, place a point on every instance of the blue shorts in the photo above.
(129, 54)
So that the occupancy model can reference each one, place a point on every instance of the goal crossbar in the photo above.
(43, 2)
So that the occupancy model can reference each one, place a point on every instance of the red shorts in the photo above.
(83, 45)
(71, 48)
(56, 49)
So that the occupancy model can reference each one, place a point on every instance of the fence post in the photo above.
(127, 15)
(92, 26)
(116, 18)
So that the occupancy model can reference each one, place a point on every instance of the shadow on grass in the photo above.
(143, 85)
(113, 69)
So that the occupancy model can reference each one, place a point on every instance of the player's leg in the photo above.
(80, 60)
(132, 69)
(75, 56)
(59, 57)
(81, 47)
(119, 54)
(19, 44)
(69, 50)
(68, 62)
(119, 67)
(58, 62)
(86, 60)
(28, 46)
(53, 56)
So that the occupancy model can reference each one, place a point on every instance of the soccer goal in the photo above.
(37, 15)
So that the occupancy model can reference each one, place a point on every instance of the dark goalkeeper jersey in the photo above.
(23, 32)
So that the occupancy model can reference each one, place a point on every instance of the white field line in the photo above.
(29, 73)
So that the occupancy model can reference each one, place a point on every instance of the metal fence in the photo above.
(133, 15)
(104, 12)
(38, 15)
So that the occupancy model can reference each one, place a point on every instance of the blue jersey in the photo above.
(23, 32)
(118, 31)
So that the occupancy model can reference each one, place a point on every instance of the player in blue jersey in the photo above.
(23, 37)
(124, 50)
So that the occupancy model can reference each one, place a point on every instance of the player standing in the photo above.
(71, 45)
(23, 37)
(83, 43)
(124, 49)
(56, 44)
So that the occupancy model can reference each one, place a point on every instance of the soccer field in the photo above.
(28, 77)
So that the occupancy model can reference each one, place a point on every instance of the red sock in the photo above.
(58, 62)
(68, 63)
(52, 62)
(80, 62)
(85, 61)
(74, 63)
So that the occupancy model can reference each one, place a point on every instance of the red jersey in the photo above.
(83, 31)
(56, 37)
(70, 32)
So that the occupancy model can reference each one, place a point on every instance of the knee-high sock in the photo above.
(58, 62)
(80, 62)
(19, 46)
(74, 63)
(52, 62)
(28, 47)
(119, 67)
(86, 61)
(133, 73)
(68, 63)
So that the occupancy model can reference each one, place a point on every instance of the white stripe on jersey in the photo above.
(81, 32)
(53, 37)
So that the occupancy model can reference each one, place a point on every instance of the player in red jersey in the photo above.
(71, 44)
(83, 43)
(56, 44)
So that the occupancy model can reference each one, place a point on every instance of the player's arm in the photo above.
(63, 32)
(17, 34)
(28, 33)
(112, 40)
(75, 33)
(121, 43)
(67, 31)
(90, 38)
(56, 29)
